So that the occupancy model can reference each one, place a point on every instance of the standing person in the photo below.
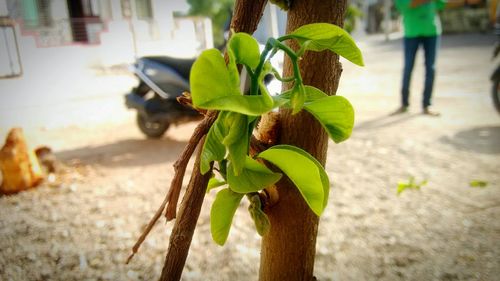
(422, 27)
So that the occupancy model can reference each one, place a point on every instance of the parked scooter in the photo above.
(161, 80)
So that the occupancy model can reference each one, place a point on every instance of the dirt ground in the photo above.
(82, 226)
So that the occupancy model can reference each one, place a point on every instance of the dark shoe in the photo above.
(427, 111)
(400, 110)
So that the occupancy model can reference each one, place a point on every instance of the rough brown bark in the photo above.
(288, 250)
(182, 233)
(247, 14)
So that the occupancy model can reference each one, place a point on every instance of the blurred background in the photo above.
(66, 66)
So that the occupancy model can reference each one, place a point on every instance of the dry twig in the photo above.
(180, 165)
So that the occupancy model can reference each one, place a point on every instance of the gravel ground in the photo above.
(82, 226)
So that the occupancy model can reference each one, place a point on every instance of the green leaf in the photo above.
(237, 154)
(213, 149)
(336, 115)
(311, 94)
(229, 133)
(411, 184)
(478, 183)
(253, 177)
(214, 183)
(236, 141)
(325, 36)
(260, 219)
(236, 127)
(213, 88)
(325, 181)
(244, 49)
(210, 79)
(302, 172)
(222, 213)
(298, 98)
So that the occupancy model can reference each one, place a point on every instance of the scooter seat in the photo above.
(181, 66)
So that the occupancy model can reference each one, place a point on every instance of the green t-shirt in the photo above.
(422, 20)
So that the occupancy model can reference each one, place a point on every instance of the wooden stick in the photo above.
(182, 233)
(180, 165)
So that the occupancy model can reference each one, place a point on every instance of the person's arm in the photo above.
(455, 3)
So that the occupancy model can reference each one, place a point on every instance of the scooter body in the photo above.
(161, 80)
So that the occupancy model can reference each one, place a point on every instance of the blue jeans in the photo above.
(411, 45)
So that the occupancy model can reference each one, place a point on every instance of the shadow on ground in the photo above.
(481, 139)
(129, 152)
(386, 120)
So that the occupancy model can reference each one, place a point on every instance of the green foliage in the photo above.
(410, 184)
(217, 10)
(302, 171)
(215, 86)
(351, 17)
(324, 36)
(252, 178)
(478, 183)
(262, 224)
(222, 212)
(214, 183)
(325, 181)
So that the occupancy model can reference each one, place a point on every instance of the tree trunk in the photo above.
(246, 17)
(288, 250)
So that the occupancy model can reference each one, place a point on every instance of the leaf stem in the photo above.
(282, 79)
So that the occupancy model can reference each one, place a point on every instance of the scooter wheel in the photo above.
(151, 129)
(496, 94)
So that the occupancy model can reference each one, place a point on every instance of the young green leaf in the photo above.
(302, 172)
(259, 218)
(210, 78)
(325, 181)
(229, 133)
(298, 98)
(253, 177)
(237, 153)
(214, 183)
(212, 87)
(236, 125)
(311, 94)
(325, 36)
(336, 115)
(244, 49)
(478, 183)
(411, 184)
(222, 213)
(213, 149)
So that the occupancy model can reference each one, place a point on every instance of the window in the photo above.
(36, 13)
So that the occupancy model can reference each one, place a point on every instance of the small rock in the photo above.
(132, 275)
(100, 224)
(467, 223)
(31, 256)
(108, 275)
(83, 262)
